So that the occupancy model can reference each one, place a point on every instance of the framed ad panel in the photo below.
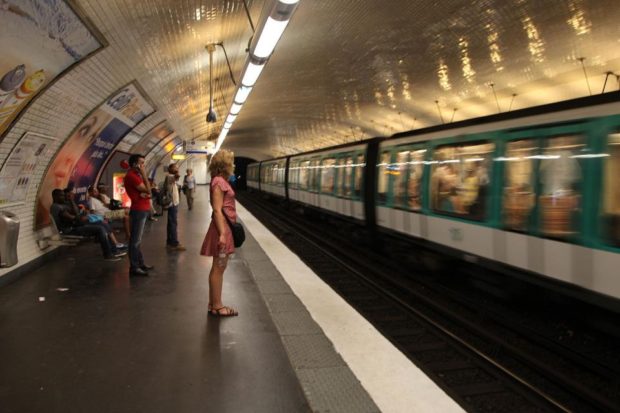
(40, 40)
(16, 174)
(84, 153)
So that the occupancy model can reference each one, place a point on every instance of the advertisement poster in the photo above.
(39, 39)
(118, 189)
(82, 155)
(16, 173)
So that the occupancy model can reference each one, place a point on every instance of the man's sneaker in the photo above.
(176, 248)
(121, 246)
(119, 254)
(112, 258)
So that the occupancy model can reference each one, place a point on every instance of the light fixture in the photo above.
(211, 116)
(242, 94)
(252, 71)
(269, 37)
(231, 118)
(235, 109)
(265, 40)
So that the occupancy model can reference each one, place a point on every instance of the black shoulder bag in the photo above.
(237, 230)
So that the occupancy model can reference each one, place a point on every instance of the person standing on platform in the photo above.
(170, 185)
(189, 184)
(139, 191)
(218, 242)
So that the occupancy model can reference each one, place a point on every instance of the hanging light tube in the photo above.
(267, 36)
(242, 94)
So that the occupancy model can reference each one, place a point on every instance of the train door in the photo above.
(544, 194)
(406, 198)
(293, 180)
(304, 181)
(358, 185)
(327, 183)
(340, 202)
(383, 200)
(313, 186)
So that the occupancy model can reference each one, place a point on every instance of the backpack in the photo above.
(164, 198)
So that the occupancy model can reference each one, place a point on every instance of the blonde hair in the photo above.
(222, 164)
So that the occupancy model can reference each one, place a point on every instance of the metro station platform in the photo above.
(80, 335)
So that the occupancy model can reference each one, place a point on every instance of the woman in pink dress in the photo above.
(218, 242)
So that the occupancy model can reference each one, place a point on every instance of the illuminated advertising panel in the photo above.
(39, 40)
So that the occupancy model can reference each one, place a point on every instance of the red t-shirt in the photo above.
(132, 181)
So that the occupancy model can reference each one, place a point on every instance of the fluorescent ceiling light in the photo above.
(242, 94)
(269, 37)
(251, 74)
(228, 125)
(289, 1)
(231, 118)
(235, 108)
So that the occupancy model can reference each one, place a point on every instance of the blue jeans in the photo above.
(137, 219)
(98, 231)
(172, 238)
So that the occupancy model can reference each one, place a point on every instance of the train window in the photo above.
(304, 175)
(313, 174)
(293, 176)
(280, 172)
(339, 177)
(263, 173)
(519, 184)
(460, 179)
(348, 174)
(383, 177)
(399, 172)
(415, 168)
(358, 175)
(328, 175)
(611, 191)
(560, 190)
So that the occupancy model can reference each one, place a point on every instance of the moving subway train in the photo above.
(535, 192)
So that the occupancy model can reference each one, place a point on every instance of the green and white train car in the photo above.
(539, 193)
(534, 192)
(331, 180)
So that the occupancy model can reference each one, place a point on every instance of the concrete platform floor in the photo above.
(111, 343)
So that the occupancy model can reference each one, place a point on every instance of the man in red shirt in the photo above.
(139, 191)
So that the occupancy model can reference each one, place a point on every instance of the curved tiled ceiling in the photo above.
(351, 69)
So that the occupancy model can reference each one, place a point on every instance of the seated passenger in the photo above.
(80, 211)
(72, 224)
(97, 206)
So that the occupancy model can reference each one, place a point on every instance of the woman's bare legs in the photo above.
(216, 281)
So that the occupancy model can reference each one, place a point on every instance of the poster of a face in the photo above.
(39, 39)
(86, 150)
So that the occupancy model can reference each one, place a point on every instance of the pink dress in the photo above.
(209, 245)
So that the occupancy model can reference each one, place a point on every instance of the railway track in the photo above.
(485, 356)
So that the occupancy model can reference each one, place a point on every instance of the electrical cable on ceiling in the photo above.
(607, 74)
(247, 11)
(583, 66)
(221, 44)
(514, 95)
(439, 110)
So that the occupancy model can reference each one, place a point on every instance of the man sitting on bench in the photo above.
(96, 205)
(74, 224)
